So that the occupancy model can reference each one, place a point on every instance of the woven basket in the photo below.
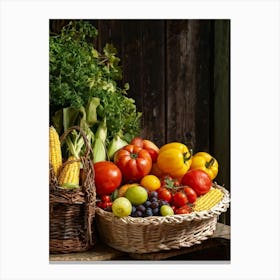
(72, 211)
(156, 233)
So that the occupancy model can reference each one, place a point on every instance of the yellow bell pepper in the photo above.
(174, 159)
(205, 162)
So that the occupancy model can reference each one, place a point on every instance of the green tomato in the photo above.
(166, 210)
(121, 207)
(136, 195)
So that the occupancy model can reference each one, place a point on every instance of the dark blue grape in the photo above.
(133, 209)
(138, 214)
(153, 199)
(154, 204)
(141, 208)
(149, 212)
(153, 194)
(155, 211)
(147, 203)
(164, 202)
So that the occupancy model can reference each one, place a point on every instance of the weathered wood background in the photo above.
(179, 76)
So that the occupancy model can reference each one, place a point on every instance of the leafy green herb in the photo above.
(78, 73)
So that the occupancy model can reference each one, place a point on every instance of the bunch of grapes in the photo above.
(151, 207)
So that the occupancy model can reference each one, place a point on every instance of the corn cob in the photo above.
(70, 174)
(208, 200)
(55, 156)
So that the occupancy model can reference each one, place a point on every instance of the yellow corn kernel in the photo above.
(70, 174)
(55, 155)
(208, 200)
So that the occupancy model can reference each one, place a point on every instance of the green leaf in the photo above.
(57, 120)
(95, 53)
(70, 116)
(91, 115)
(109, 50)
(80, 75)
(126, 86)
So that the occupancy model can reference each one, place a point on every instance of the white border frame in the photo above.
(254, 138)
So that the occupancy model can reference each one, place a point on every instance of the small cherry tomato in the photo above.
(101, 204)
(164, 194)
(109, 204)
(183, 210)
(105, 198)
(191, 194)
(180, 199)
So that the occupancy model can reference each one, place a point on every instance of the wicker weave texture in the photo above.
(72, 212)
(152, 234)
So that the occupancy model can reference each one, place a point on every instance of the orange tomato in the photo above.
(150, 182)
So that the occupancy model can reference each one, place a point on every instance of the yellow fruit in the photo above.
(136, 195)
(150, 182)
(123, 188)
(121, 207)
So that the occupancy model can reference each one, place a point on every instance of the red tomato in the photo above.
(137, 141)
(153, 154)
(101, 204)
(180, 199)
(191, 194)
(104, 204)
(198, 180)
(108, 177)
(147, 145)
(106, 198)
(164, 194)
(134, 162)
(183, 210)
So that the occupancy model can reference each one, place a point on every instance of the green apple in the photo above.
(166, 210)
(136, 195)
(121, 207)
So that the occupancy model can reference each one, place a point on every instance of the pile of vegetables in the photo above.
(167, 180)
(85, 90)
(144, 180)
(134, 173)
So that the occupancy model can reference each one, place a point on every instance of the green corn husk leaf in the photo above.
(84, 125)
(91, 115)
(101, 132)
(116, 144)
(99, 150)
(57, 120)
(70, 116)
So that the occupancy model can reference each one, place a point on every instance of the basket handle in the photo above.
(75, 127)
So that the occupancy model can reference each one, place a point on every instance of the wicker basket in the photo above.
(155, 233)
(72, 211)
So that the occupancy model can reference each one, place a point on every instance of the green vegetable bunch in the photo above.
(85, 81)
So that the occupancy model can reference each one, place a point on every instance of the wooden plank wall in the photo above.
(178, 71)
(168, 64)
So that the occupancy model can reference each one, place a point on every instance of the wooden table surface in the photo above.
(102, 252)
